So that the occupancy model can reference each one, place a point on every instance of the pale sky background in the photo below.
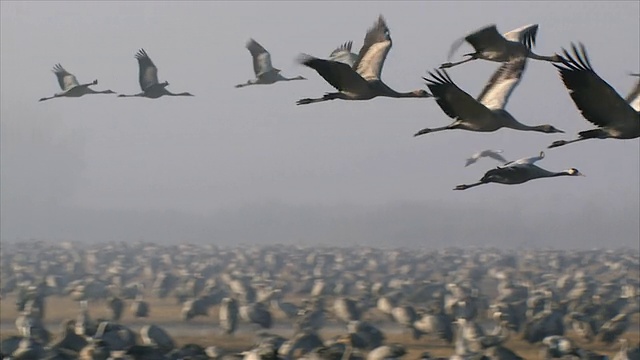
(247, 165)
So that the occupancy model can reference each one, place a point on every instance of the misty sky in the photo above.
(248, 165)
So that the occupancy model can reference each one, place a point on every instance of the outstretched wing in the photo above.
(497, 91)
(346, 47)
(633, 98)
(513, 174)
(377, 44)
(343, 54)
(480, 39)
(496, 155)
(456, 103)
(341, 76)
(524, 161)
(525, 35)
(599, 103)
(261, 58)
(66, 80)
(148, 75)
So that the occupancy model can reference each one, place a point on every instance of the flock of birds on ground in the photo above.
(469, 300)
(357, 77)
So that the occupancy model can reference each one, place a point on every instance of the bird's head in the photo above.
(557, 58)
(422, 93)
(574, 172)
(549, 129)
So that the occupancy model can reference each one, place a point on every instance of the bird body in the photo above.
(485, 114)
(70, 86)
(518, 172)
(148, 79)
(490, 45)
(262, 67)
(615, 116)
(361, 81)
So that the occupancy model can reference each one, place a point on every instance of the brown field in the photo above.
(166, 312)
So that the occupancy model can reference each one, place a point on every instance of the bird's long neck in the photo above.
(134, 95)
(293, 78)
(465, 186)
(556, 174)
(514, 124)
(535, 56)
(179, 94)
(430, 130)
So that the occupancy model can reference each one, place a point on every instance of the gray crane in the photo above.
(148, 78)
(264, 71)
(615, 116)
(490, 45)
(518, 173)
(486, 113)
(70, 86)
(362, 80)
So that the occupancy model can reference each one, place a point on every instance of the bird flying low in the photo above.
(490, 45)
(148, 79)
(361, 81)
(264, 71)
(70, 86)
(518, 172)
(615, 116)
(486, 113)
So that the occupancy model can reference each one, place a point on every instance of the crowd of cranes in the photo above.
(342, 303)
(358, 77)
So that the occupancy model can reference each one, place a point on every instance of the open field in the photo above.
(204, 330)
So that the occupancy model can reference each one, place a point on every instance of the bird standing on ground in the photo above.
(70, 86)
(494, 154)
(362, 80)
(148, 78)
(490, 45)
(487, 113)
(599, 103)
(264, 71)
(518, 172)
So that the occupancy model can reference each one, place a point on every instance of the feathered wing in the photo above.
(342, 48)
(598, 102)
(261, 58)
(456, 103)
(633, 98)
(499, 88)
(66, 80)
(148, 75)
(377, 44)
(495, 155)
(524, 161)
(343, 54)
(525, 35)
(341, 76)
(511, 174)
(485, 38)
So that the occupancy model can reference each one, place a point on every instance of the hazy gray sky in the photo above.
(244, 165)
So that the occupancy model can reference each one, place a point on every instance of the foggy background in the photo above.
(232, 166)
